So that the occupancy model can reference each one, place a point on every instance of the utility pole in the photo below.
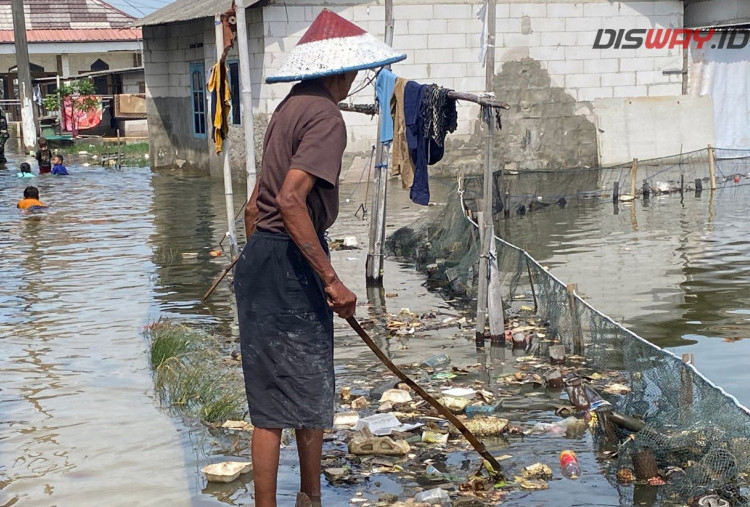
(246, 95)
(25, 92)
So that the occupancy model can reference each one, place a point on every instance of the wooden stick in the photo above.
(219, 278)
(711, 167)
(686, 384)
(633, 176)
(371, 109)
(482, 101)
(478, 446)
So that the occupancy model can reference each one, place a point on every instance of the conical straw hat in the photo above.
(333, 45)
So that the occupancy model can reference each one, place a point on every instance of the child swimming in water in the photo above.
(30, 199)
(58, 168)
(43, 156)
(25, 171)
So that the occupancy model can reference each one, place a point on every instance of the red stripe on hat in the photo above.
(329, 25)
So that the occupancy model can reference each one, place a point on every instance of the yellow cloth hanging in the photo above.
(218, 86)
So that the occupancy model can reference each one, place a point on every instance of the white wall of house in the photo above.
(169, 51)
(131, 82)
(77, 62)
(442, 43)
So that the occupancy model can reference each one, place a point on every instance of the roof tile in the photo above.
(76, 35)
(56, 14)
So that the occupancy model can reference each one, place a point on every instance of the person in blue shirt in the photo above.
(57, 165)
(25, 171)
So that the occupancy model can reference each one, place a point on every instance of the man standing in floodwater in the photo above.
(286, 287)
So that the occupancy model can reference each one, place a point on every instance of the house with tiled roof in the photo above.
(68, 38)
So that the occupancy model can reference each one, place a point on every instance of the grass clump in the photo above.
(191, 374)
(134, 149)
(169, 339)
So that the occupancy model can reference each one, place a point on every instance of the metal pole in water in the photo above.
(246, 96)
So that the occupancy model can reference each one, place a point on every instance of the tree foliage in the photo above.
(81, 92)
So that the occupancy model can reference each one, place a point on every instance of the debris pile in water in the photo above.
(528, 405)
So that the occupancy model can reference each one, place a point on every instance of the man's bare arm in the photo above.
(292, 203)
(251, 211)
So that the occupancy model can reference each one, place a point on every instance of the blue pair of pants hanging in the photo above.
(429, 115)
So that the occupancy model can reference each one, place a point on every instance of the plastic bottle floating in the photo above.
(569, 464)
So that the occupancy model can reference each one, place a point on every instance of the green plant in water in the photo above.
(190, 374)
(173, 340)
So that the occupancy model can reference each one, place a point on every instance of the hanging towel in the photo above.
(384, 91)
(221, 96)
(401, 162)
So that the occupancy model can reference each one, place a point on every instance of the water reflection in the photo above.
(189, 222)
(78, 421)
(675, 269)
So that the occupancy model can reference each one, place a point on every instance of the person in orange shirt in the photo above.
(30, 199)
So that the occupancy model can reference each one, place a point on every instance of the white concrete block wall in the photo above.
(78, 62)
(442, 42)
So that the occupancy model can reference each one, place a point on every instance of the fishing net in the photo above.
(699, 435)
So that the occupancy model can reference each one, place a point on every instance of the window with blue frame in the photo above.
(235, 115)
(198, 98)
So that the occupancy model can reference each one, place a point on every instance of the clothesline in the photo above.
(372, 109)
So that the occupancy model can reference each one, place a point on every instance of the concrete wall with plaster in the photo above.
(546, 69)
(652, 127)
(168, 52)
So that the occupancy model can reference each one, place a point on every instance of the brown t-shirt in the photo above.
(306, 132)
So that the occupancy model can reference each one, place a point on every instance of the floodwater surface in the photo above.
(79, 421)
(675, 269)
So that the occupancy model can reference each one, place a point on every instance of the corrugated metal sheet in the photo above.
(186, 10)
(62, 14)
(75, 35)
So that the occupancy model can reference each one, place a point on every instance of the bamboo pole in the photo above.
(374, 262)
(372, 109)
(485, 222)
(633, 176)
(571, 289)
(482, 282)
(686, 381)
(712, 167)
(118, 164)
